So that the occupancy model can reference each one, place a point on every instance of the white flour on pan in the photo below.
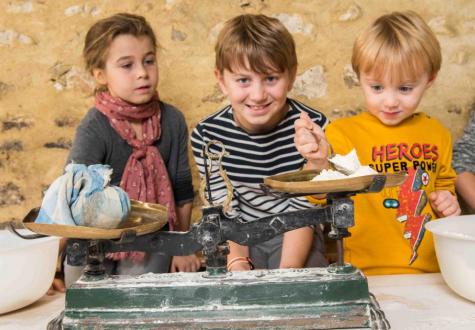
(350, 163)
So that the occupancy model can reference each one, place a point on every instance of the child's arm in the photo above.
(189, 263)
(91, 141)
(444, 203)
(310, 141)
(296, 247)
(58, 282)
(183, 214)
(238, 257)
(444, 200)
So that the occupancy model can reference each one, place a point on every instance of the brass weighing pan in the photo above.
(144, 218)
(300, 182)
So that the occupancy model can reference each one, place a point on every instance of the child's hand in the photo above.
(57, 285)
(189, 263)
(310, 141)
(444, 203)
(135, 256)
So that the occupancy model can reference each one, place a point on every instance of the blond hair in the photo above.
(401, 44)
(256, 42)
(102, 33)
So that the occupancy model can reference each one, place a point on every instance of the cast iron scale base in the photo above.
(313, 298)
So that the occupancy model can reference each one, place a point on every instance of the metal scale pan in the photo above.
(299, 182)
(144, 218)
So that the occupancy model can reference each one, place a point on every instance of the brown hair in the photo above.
(400, 43)
(258, 41)
(102, 33)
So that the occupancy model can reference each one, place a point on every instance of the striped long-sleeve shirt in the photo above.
(463, 159)
(252, 157)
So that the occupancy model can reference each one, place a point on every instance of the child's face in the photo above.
(393, 102)
(259, 101)
(131, 71)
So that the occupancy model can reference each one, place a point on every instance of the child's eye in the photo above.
(377, 88)
(272, 79)
(150, 61)
(126, 65)
(406, 89)
(242, 80)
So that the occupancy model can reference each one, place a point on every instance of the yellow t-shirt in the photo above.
(389, 235)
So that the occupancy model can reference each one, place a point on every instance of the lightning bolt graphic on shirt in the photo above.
(412, 201)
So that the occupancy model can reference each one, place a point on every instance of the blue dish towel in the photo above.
(82, 196)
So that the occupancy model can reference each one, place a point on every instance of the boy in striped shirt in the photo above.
(256, 66)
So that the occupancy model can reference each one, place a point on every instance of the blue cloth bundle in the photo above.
(82, 196)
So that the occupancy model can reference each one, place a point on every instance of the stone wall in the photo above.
(44, 91)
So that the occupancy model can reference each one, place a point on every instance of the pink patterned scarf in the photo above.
(145, 176)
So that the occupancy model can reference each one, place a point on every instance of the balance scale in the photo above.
(333, 297)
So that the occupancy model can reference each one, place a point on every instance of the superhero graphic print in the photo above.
(412, 200)
(418, 160)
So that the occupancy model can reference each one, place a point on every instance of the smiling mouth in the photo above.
(258, 107)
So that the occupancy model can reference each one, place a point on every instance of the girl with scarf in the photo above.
(143, 139)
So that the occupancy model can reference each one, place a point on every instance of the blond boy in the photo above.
(396, 59)
(256, 66)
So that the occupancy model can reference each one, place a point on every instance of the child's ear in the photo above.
(431, 80)
(292, 76)
(100, 76)
(219, 76)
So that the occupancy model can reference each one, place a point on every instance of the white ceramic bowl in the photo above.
(454, 239)
(27, 269)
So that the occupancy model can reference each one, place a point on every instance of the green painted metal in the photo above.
(312, 298)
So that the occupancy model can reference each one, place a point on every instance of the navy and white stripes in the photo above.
(251, 158)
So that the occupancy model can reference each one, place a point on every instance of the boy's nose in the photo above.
(391, 100)
(258, 93)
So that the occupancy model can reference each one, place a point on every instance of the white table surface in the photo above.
(413, 302)
(420, 302)
(35, 316)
